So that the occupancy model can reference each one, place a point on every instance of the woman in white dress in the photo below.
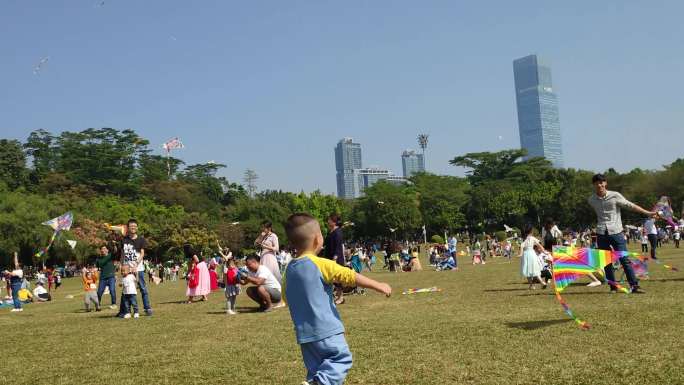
(530, 265)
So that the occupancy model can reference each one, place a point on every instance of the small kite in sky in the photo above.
(43, 61)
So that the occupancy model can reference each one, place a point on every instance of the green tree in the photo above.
(13, 170)
(388, 210)
(442, 199)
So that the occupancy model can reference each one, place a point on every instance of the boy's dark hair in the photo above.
(252, 257)
(267, 224)
(598, 178)
(132, 220)
(293, 227)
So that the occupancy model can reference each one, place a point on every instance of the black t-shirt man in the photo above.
(130, 251)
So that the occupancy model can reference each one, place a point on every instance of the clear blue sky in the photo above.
(273, 85)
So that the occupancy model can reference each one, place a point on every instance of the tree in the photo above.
(442, 200)
(13, 170)
(250, 181)
(388, 210)
(486, 166)
(41, 147)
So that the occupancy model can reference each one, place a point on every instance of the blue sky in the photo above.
(273, 85)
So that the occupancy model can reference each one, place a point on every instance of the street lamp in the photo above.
(423, 142)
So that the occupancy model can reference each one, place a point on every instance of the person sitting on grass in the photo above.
(266, 290)
(448, 263)
(40, 294)
(308, 288)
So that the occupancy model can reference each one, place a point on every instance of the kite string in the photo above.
(46, 248)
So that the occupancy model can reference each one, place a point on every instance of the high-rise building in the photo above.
(412, 163)
(347, 159)
(537, 109)
(366, 177)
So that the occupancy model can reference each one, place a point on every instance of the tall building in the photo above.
(537, 109)
(347, 159)
(366, 177)
(412, 163)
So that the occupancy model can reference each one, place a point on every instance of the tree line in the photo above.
(108, 176)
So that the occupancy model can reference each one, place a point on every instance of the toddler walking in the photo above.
(231, 280)
(129, 292)
(307, 287)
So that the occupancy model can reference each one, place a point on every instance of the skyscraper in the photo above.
(412, 163)
(347, 159)
(537, 109)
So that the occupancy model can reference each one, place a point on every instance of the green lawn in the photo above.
(485, 327)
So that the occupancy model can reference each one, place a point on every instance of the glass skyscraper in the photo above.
(347, 159)
(412, 163)
(537, 104)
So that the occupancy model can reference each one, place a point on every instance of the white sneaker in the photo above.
(20, 309)
(127, 315)
(594, 284)
(279, 305)
(113, 307)
(136, 315)
(231, 312)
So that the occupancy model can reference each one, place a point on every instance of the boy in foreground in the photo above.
(308, 290)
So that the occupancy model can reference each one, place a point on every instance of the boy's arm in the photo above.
(332, 272)
(16, 260)
(368, 283)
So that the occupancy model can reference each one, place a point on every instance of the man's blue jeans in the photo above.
(107, 282)
(15, 294)
(143, 291)
(618, 243)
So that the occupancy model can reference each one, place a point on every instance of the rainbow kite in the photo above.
(61, 223)
(425, 290)
(570, 263)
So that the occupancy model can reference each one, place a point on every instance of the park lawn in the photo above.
(485, 327)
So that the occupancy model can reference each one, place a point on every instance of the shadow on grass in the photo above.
(534, 325)
(551, 293)
(664, 280)
(174, 302)
(496, 290)
(238, 309)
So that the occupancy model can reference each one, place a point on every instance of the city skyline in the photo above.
(412, 163)
(537, 109)
(232, 79)
(352, 177)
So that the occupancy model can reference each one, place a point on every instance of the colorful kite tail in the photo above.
(582, 324)
(666, 266)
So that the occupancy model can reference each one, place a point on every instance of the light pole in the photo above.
(423, 142)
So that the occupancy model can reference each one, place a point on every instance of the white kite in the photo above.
(71, 243)
(43, 61)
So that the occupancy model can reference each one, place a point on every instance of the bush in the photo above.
(500, 236)
(437, 239)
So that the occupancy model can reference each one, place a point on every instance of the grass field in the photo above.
(485, 327)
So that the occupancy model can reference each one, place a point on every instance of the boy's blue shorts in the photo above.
(327, 361)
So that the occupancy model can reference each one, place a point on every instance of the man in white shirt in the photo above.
(651, 231)
(607, 205)
(677, 235)
(267, 289)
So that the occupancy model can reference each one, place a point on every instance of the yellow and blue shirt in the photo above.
(308, 290)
